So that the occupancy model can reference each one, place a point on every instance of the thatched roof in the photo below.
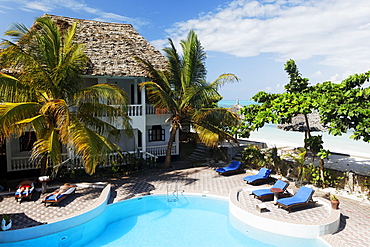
(112, 46)
(298, 123)
(236, 108)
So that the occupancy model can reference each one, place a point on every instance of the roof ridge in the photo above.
(79, 19)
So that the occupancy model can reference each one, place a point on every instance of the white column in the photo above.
(135, 92)
(143, 130)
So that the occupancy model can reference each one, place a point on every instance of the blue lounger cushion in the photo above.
(262, 174)
(304, 195)
(51, 198)
(265, 192)
(234, 165)
(24, 192)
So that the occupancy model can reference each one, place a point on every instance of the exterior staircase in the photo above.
(199, 154)
(238, 156)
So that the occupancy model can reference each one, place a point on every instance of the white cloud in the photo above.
(338, 32)
(78, 6)
(279, 88)
(5, 7)
(334, 78)
(316, 74)
(37, 6)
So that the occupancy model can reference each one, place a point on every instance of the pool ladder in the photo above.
(175, 193)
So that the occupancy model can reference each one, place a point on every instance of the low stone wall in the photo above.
(73, 220)
(328, 225)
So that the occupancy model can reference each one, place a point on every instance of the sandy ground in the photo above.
(342, 162)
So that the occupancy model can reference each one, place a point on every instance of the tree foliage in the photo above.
(281, 108)
(44, 95)
(345, 106)
(183, 92)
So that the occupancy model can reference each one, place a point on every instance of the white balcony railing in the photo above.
(161, 150)
(24, 163)
(151, 110)
(114, 159)
(135, 110)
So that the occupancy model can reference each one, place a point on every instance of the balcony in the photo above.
(23, 163)
(137, 110)
(161, 150)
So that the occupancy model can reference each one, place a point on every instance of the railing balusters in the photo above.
(152, 153)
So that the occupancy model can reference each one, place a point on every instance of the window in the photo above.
(156, 133)
(26, 141)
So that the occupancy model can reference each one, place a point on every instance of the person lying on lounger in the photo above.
(62, 189)
(24, 186)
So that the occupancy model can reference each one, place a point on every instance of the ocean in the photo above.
(230, 103)
(271, 135)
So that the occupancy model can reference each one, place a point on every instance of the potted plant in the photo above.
(6, 222)
(334, 202)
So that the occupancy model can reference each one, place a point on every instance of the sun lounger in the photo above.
(263, 174)
(302, 197)
(19, 196)
(51, 198)
(264, 194)
(235, 166)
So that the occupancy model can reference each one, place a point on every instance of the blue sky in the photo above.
(252, 39)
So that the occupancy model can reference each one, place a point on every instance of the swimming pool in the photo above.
(194, 220)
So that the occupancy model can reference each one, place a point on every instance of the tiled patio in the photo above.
(355, 218)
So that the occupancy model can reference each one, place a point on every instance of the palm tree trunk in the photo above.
(322, 172)
(307, 131)
(167, 162)
(43, 166)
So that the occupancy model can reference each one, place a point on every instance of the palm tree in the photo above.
(182, 91)
(44, 95)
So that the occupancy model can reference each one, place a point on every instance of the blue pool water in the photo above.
(152, 221)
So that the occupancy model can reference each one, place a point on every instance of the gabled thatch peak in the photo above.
(112, 46)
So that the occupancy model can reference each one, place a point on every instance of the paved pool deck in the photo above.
(355, 215)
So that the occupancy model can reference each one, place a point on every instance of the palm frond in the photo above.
(12, 90)
(90, 146)
(223, 79)
(214, 120)
(193, 70)
(158, 76)
(175, 66)
(201, 96)
(11, 113)
(57, 112)
(103, 94)
(207, 136)
(48, 147)
(98, 125)
(17, 30)
(160, 98)
(38, 123)
(47, 59)
(71, 62)
(216, 116)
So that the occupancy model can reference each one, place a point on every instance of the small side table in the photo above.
(276, 192)
(44, 180)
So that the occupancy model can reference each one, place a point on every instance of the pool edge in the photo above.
(281, 227)
(54, 227)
